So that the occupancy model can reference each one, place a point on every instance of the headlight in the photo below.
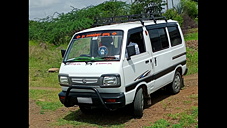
(63, 80)
(109, 80)
(112, 80)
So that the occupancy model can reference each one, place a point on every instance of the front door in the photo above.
(138, 68)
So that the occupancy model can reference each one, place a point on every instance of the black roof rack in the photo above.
(128, 18)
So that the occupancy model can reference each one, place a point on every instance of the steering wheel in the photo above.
(102, 51)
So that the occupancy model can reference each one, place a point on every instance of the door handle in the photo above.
(155, 61)
(147, 61)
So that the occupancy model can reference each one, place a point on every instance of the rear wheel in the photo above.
(138, 104)
(176, 85)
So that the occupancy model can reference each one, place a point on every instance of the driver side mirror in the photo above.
(131, 51)
(62, 52)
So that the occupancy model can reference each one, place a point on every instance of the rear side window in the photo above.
(158, 39)
(174, 34)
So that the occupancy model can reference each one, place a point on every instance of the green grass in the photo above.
(192, 54)
(185, 119)
(192, 34)
(162, 123)
(40, 60)
(192, 60)
(47, 99)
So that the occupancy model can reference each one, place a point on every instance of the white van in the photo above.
(101, 70)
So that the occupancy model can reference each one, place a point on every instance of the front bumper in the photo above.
(101, 100)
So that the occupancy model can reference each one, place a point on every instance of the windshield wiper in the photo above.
(83, 59)
(87, 62)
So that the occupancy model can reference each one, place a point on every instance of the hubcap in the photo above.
(177, 83)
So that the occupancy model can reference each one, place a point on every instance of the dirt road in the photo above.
(162, 105)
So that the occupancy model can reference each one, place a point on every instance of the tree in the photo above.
(147, 6)
(58, 29)
(190, 8)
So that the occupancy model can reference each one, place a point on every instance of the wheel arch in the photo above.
(130, 95)
(179, 69)
(144, 87)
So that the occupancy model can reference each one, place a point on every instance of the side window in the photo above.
(158, 39)
(174, 34)
(135, 38)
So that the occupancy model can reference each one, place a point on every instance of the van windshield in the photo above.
(95, 46)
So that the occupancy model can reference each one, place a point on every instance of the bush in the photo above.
(188, 22)
(172, 14)
(58, 30)
(186, 13)
(190, 8)
(147, 6)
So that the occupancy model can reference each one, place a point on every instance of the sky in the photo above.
(39, 9)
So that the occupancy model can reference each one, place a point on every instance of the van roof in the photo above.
(125, 26)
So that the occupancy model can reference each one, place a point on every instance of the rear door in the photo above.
(162, 56)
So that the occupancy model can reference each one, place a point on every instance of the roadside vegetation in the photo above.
(49, 35)
(58, 28)
(185, 119)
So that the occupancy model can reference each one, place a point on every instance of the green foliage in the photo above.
(190, 8)
(59, 29)
(187, 7)
(112, 8)
(186, 13)
(147, 6)
(172, 14)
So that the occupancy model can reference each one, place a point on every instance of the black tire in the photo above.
(138, 104)
(175, 86)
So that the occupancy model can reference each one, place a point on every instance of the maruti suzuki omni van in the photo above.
(100, 69)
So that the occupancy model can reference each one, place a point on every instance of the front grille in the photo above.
(84, 81)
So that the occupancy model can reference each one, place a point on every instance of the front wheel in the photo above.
(176, 85)
(138, 104)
